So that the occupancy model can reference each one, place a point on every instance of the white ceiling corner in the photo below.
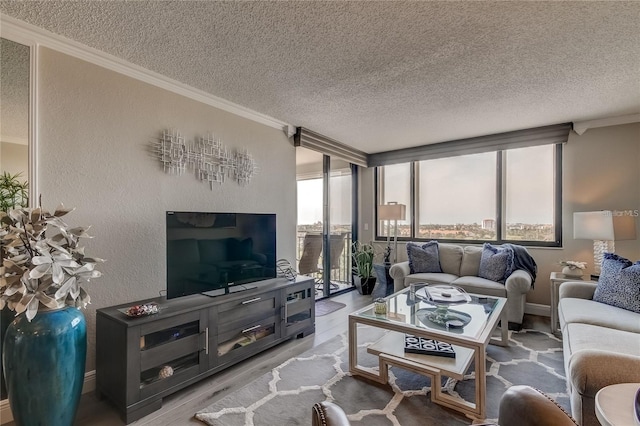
(582, 126)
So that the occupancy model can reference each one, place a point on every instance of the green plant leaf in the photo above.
(13, 192)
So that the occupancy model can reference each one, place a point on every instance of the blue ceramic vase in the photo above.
(44, 363)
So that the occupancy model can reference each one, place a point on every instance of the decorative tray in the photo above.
(137, 311)
(443, 294)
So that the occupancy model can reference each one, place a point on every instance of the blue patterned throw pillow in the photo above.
(619, 283)
(496, 263)
(424, 258)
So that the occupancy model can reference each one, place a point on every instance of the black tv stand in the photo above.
(139, 361)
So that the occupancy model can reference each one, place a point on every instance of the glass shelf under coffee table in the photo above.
(407, 314)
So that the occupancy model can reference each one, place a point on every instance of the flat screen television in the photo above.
(211, 252)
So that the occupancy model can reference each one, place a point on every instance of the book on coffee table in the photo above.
(420, 345)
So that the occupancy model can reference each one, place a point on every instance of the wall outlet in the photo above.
(366, 226)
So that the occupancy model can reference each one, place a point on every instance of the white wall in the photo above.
(14, 158)
(601, 171)
(95, 130)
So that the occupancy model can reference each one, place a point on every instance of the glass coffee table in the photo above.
(467, 327)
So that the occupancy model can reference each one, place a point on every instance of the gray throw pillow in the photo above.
(619, 283)
(423, 258)
(496, 263)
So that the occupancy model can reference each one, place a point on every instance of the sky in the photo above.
(460, 190)
(310, 200)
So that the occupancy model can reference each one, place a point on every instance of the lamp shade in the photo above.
(392, 211)
(593, 225)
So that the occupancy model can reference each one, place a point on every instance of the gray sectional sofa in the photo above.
(460, 266)
(601, 346)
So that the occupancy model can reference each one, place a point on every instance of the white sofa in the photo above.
(460, 266)
(601, 347)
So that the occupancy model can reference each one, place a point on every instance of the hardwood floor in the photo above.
(179, 408)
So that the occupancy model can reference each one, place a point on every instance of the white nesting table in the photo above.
(614, 405)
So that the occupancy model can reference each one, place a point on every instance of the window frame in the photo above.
(500, 205)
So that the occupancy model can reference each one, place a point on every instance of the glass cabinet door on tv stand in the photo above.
(246, 324)
(140, 359)
(298, 310)
(170, 351)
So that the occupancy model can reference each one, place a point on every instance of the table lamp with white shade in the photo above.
(604, 228)
(392, 211)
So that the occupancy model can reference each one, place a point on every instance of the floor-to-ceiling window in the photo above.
(325, 220)
(509, 195)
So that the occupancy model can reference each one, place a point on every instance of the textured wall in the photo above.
(600, 172)
(95, 129)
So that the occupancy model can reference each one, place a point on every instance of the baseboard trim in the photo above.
(89, 385)
(537, 309)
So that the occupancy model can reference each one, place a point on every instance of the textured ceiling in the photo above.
(378, 75)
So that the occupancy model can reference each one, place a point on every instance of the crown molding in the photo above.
(22, 32)
(582, 126)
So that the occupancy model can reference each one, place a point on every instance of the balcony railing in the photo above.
(311, 262)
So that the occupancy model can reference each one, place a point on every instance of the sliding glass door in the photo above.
(325, 220)
(340, 224)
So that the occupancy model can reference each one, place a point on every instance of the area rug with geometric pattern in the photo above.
(285, 395)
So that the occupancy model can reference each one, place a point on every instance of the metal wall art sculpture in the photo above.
(208, 158)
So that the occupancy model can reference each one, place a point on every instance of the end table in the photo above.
(615, 404)
(556, 279)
